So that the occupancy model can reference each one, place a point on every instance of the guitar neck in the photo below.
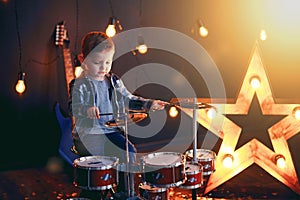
(69, 73)
(62, 40)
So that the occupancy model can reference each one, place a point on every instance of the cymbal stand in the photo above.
(128, 175)
(195, 160)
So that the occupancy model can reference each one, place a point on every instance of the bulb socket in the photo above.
(21, 76)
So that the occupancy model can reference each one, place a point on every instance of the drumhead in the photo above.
(96, 162)
(202, 154)
(163, 159)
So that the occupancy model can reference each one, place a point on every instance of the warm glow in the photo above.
(203, 31)
(228, 161)
(254, 151)
(173, 112)
(263, 35)
(296, 113)
(78, 71)
(211, 113)
(142, 49)
(255, 82)
(280, 161)
(111, 30)
(20, 86)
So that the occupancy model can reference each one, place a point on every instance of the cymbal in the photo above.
(131, 118)
(198, 105)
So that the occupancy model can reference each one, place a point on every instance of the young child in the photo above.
(98, 92)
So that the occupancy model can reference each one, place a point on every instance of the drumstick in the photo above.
(131, 112)
(190, 105)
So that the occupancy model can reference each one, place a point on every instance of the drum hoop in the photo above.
(106, 187)
(114, 164)
(165, 166)
(195, 172)
(178, 183)
(156, 189)
(152, 155)
(191, 186)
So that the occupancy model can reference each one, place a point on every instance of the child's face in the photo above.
(98, 64)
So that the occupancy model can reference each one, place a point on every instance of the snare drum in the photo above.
(95, 172)
(148, 192)
(205, 157)
(163, 169)
(194, 176)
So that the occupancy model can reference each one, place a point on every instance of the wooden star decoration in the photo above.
(253, 151)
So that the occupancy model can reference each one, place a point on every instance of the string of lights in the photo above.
(77, 64)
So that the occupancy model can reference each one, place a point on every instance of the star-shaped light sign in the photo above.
(277, 162)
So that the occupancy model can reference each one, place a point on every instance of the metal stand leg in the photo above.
(194, 194)
(195, 128)
(128, 174)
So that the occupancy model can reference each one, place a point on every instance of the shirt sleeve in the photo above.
(79, 100)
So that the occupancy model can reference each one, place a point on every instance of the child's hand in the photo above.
(93, 113)
(158, 105)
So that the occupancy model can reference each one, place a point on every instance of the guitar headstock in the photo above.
(61, 34)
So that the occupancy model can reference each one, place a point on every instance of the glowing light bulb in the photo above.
(211, 113)
(263, 35)
(20, 86)
(228, 161)
(296, 113)
(173, 112)
(142, 49)
(255, 82)
(110, 30)
(78, 71)
(111, 27)
(203, 31)
(280, 161)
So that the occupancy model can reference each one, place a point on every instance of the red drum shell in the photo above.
(194, 176)
(95, 172)
(163, 169)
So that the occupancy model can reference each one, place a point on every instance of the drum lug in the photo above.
(207, 166)
(192, 180)
(158, 176)
(106, 177)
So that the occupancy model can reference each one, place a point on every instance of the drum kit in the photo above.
(159, 172)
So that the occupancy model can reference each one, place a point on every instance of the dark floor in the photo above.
(56, 182)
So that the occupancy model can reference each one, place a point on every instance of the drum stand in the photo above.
(129, 176)
(195, 128)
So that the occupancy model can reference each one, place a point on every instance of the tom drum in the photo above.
(194, 176)
(96, 172)
(163, 169)
(148, 192)
(205, 157)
